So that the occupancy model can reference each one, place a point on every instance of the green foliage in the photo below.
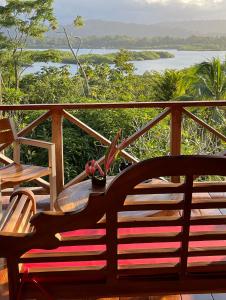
(51, 85)
(192, 43)
(212, 75)
(12, 96)
(79, 22)
(68, 58)
(167, 86)
(22, 19)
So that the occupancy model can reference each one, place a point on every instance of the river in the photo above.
(182, 59)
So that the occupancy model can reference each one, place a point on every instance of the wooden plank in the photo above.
(34, 143)
(156, 104)
(15, 174)
(175, 135)
(150, 237)
(159, 188)
(186, 215)
(12, 224)
(57, 139)
(209, 187)
(126, 222)
(208, 220)
(147, 269)
(204, 205)
(70, 271)
(23, 226)
(208, 267)
(83, 240)
(207, 235)
(207, 251)
(7, 214)
(62, 256)
(153, 205)
(148, 253)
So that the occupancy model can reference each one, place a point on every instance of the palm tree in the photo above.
(212, 79)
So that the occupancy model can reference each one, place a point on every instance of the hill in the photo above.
(173, 29)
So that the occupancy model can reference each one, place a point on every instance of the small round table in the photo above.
(76, 197)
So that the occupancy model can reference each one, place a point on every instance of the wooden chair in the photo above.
(15, 173)
(99, 252)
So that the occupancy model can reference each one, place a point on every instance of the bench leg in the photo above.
(13, 277)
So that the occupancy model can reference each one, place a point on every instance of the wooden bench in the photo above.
(98, 252)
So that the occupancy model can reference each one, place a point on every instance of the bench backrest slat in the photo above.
(18, 215)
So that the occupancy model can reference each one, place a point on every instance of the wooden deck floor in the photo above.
(43, 204)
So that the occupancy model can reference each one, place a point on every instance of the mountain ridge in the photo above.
(173, 29)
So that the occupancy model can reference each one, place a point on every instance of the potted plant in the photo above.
(94, 170)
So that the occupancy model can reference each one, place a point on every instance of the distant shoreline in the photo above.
(192, 43)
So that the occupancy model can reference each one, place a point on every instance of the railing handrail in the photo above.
(57, 112)
(115, 105)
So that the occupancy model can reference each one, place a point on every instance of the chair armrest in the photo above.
(35, 143)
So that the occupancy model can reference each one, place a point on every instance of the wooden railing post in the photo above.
(57, 139)
(175, 135)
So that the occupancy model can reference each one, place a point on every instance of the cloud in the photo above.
(141, 11)
(190, 2)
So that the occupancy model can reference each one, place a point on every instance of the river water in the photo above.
(182, 59)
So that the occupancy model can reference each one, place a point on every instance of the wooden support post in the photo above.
(57, 139)
(175, 135)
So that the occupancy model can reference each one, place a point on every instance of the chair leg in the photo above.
(53, 192)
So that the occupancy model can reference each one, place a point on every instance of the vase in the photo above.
(98, 181)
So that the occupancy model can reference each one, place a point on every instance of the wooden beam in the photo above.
(57, 139)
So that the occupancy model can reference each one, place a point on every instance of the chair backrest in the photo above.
(7, 131)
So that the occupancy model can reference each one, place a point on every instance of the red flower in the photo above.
(91, 167)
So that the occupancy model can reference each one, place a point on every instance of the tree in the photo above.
(167, 86)
(78, 22)
(212, 78)
(21, 19)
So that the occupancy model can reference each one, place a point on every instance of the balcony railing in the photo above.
(57, 112)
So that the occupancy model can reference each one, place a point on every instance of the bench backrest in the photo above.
(172, 244)
(117, 246)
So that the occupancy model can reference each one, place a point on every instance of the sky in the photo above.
(140, 11)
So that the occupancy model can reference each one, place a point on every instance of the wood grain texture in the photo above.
(15, 173)
(104, 249)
